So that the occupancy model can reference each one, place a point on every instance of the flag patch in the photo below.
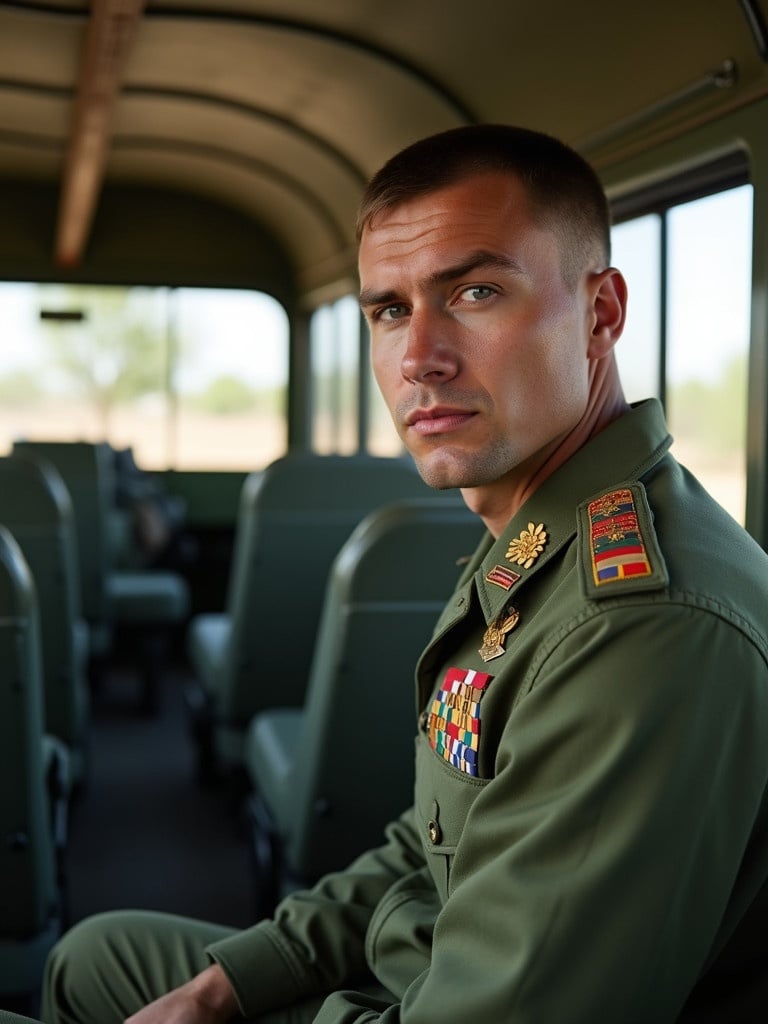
(617, 547)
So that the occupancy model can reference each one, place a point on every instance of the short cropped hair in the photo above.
(565, 192)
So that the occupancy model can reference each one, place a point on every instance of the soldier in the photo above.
(589, 835)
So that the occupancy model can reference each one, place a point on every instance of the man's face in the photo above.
(478, 346)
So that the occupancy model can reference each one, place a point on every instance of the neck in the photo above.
(498, 502)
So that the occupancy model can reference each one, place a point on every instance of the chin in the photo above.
(444, 475)
(446, 469)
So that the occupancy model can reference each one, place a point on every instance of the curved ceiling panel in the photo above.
(247, 135)
(284, 69)
(263, 196)
(282, 108)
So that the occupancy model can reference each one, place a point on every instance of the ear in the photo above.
(608, 310)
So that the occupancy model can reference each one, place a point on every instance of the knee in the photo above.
(84, 943)
(79, 967)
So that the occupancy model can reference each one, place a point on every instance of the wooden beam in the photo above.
(108, 37)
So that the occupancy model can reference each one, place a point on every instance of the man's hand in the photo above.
(207, 999)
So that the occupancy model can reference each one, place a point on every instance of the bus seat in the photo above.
(292, 520)
(36, 508)
(84, 469)
(30, 921)
(145, 600)
(326, 778)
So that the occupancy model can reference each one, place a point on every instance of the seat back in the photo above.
(293, 519)
(354, 767)
(36, 508)
(28, 892)
(86, 470)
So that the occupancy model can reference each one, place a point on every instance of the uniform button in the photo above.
(434, 832)
(423, 719)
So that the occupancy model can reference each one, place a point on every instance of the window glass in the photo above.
(637, 254)
(229, 352)
(190, 378)
(709, 287)
(383, 439)
(335, 361)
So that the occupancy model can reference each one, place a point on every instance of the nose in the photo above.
(430, 353)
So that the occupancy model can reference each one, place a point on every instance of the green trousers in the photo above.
(6, 1017)
(110, 965)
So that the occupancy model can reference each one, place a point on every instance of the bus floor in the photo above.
(143, 833)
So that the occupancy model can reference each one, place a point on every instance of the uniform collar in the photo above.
(621, 453)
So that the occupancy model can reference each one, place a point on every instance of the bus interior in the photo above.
(198, 479)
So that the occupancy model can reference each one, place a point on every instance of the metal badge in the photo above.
(526, 548)
(494, 637)
(503, 577)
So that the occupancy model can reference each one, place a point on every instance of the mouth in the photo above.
(437, 420)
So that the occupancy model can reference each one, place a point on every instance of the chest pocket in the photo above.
(443, 798)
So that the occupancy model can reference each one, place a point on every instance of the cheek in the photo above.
(565, 374)
(544, 374)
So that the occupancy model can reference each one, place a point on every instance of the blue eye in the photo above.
(392, 313)
(478, 292)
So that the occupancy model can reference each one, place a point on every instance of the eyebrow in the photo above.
(480, 259)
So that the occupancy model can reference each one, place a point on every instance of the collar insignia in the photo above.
(502, 577)
(495, 635)
(526, 548)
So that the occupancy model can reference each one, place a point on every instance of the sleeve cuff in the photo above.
(261, 968)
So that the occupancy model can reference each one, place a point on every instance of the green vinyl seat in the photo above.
(146, 600)
(84, 469)
(30, 921)
(36, 508)
(326, 778)
(292, 520)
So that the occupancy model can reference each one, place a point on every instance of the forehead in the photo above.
(489, 211)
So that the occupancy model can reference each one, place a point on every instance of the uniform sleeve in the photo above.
(598, 871)
(316, 942)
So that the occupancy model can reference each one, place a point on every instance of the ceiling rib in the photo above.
(197, 96)
(254, 111)
(315, 30)
(252, 165)
(108, 36)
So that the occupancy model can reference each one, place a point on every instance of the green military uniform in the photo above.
(589, 837)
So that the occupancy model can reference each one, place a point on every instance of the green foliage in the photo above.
(19, 388)
(714, 414)
(115, 354)
(227, 395)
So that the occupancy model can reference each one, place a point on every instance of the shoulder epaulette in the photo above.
(618, 548)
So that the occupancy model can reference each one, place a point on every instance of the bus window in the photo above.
(383, 439)
(188, 378)
(229, 352)
(710, 273)
(335, 345)
(636, 252)
(688, 267)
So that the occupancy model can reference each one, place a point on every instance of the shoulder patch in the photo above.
(618, 548)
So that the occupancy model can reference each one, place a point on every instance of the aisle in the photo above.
(144, 834)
